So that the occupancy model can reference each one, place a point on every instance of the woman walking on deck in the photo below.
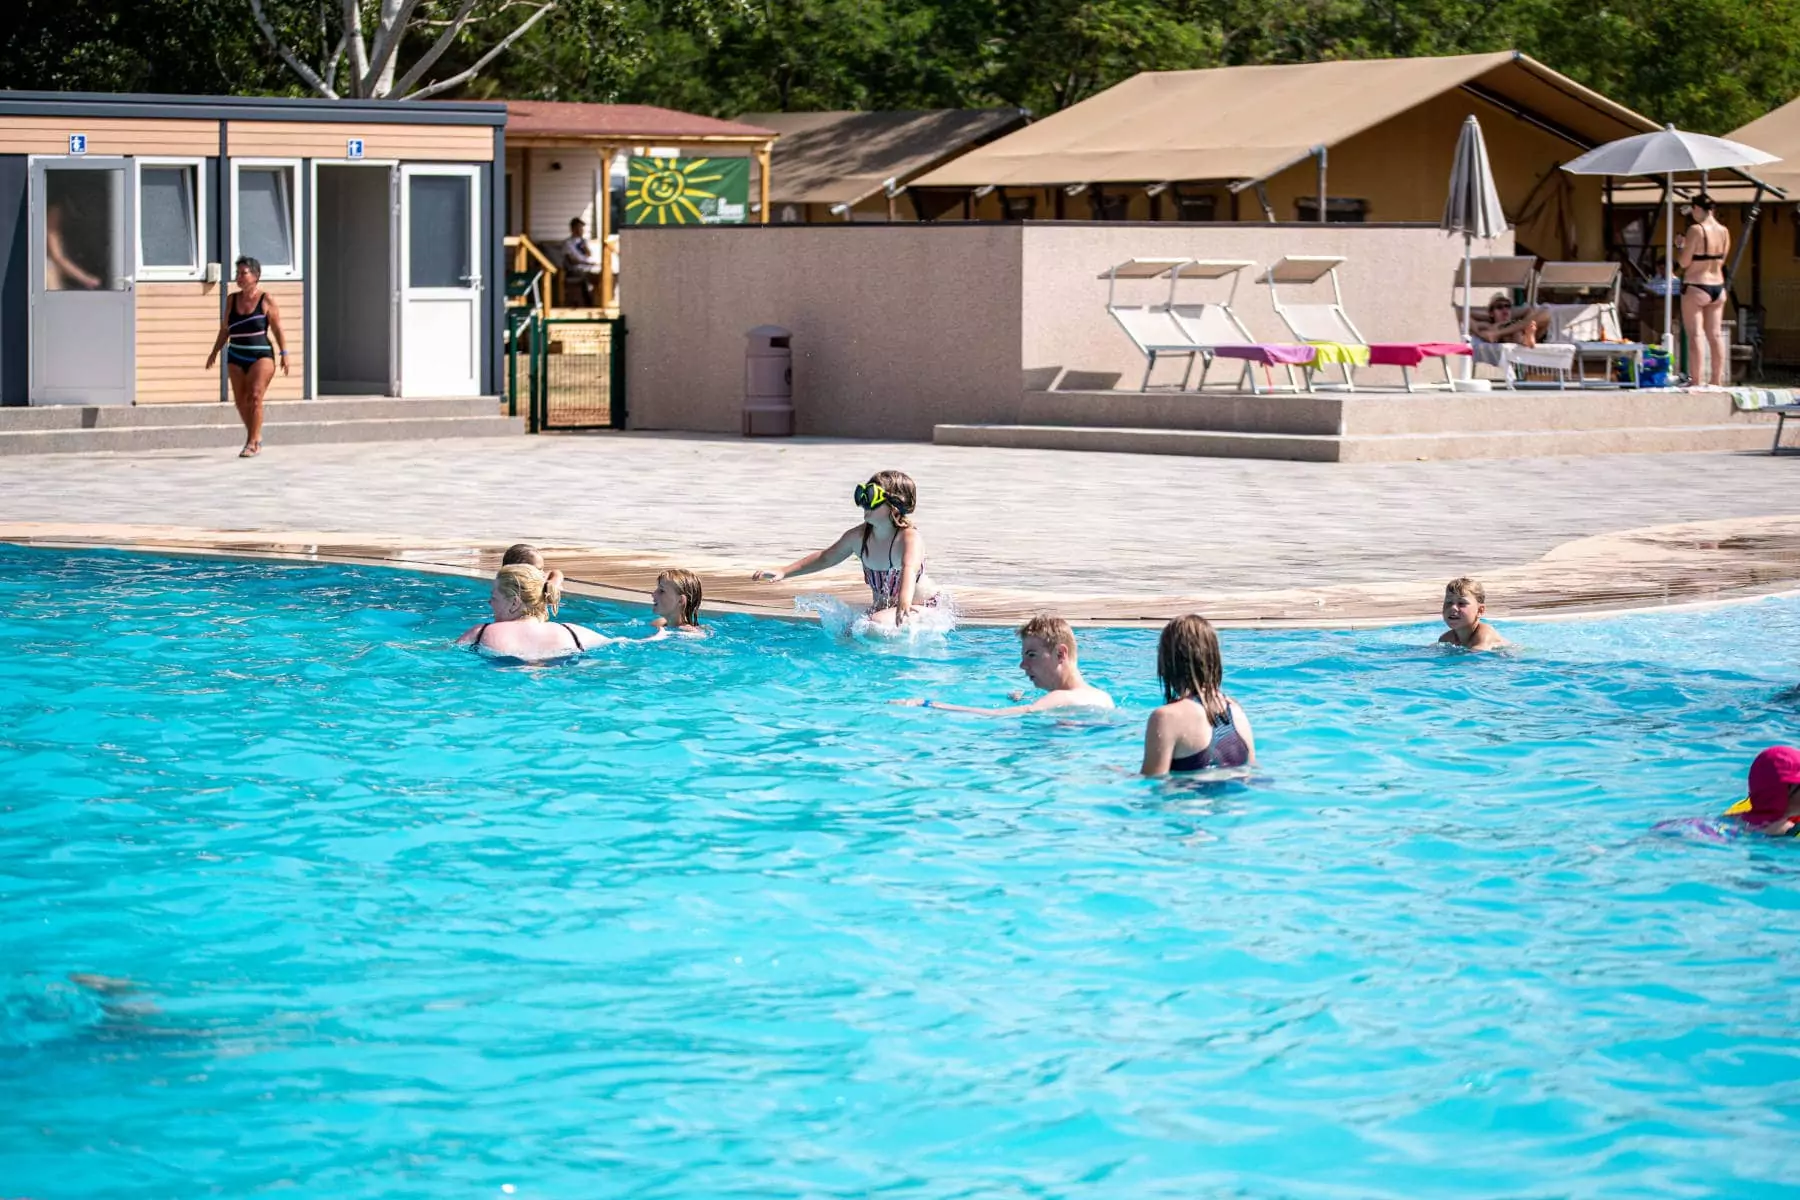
(251, 320)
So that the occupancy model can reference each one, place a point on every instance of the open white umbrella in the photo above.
(1667, 152)
(1473, 208)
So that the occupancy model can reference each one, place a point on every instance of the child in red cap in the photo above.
(1774, 804)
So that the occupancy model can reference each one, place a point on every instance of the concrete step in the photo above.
(329, 408)
(1204, 443)
(221, 436)
(1516, 443)
(1541, 443)
(1366, 413)
(1233, 412)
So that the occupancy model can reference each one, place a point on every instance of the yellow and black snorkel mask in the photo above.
(871, 496)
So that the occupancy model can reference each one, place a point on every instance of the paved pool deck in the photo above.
(1101, 537)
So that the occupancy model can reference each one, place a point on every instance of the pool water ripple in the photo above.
(695, 919)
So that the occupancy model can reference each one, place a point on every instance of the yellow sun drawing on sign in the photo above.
(666, 191)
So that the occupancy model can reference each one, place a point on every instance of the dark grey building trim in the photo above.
(309, 256)
(494, 321)
(15, 281)
(222, 222)
(76, 105)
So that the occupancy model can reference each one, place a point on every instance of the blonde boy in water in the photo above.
(525, 554)
(1047, 656)
(1465, 602)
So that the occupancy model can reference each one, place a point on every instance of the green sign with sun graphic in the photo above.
(688, 191)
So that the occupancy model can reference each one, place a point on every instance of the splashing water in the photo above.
(840, 620)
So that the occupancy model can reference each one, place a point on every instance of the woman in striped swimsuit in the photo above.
(1200, 728)
(251, 320)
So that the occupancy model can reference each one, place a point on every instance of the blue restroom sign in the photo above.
(354, 149)
(78, 143)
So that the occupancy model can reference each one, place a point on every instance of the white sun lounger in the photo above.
(1152, 328)
(1516, 273)
(1215, 327)
(1591, 325)
(1329, 325)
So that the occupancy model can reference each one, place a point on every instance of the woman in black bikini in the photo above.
(1200, 728)
(1702, 252)
(251, 319)
(521, 601)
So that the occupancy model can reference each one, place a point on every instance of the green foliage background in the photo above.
(1709, 65)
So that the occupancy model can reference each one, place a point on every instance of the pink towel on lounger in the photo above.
(1411, 354)
(1297, 356)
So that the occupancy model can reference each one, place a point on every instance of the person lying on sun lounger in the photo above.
(1499, 323)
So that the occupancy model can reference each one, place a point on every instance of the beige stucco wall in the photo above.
(898, 328)
(895, 327)
(1396, 283)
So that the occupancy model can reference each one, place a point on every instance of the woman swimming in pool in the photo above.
(887, 543)
(521, 628)
(1200, 727)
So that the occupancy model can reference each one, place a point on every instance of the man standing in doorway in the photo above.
(581, 267)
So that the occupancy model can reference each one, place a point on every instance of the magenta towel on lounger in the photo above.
(1411, 354)
(1296, 356)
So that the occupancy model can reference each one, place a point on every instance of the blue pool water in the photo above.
(705, 919)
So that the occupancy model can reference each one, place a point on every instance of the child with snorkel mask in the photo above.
(889, 546)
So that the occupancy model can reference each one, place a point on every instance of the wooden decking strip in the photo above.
(1658, 567)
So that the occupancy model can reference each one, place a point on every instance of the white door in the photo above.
(83, 324)
(440, 281)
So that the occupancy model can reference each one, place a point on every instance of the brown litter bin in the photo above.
(769, 383)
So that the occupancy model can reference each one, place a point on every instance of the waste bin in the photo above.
(769, 383)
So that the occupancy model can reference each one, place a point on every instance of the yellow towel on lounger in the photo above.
(1340, 352)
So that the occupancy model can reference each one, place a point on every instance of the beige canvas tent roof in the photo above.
(845, 157)
(1244, 124)
(1778, 132)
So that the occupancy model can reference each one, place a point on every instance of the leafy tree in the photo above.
(1709, 65)
(366, 45)
(173, 46)
(1060, 52)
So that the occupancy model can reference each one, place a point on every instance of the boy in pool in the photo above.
(676, 603)
(1048, 658)
(1465, 600)
(529, 555)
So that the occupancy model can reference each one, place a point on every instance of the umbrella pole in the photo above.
(1669, 270)
(1468, 258)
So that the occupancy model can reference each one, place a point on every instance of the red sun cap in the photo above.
(1770, 776)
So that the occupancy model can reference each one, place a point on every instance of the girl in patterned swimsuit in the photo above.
(1200, 727)
(889, 546)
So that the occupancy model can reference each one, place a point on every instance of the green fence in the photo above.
(570, 370)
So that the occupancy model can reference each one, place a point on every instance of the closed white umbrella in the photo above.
(1473, 208)
(1668, 152)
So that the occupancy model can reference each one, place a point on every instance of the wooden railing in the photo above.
(524, 252)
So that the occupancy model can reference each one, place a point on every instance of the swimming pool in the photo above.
(697, 919)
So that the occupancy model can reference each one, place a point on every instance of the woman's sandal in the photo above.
(250, 451)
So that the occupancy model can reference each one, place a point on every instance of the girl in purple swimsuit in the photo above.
(887, 544)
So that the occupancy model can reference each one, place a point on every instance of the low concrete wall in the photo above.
(897, 328)
(1396, 282)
